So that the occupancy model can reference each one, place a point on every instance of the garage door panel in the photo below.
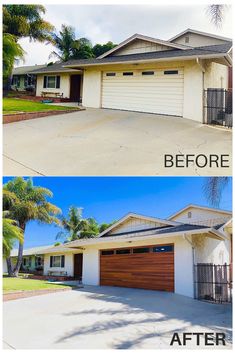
(147, 270)
(158, 93)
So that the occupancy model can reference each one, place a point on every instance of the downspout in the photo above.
(193, 257)
(199, 63)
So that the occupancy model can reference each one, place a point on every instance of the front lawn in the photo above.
(22, 284)
(14, 105)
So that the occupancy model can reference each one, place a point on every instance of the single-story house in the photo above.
(23, 80)
(148, 252)
(146, 74)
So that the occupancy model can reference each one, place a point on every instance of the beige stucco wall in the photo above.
(193, 83)
(64, 85)
(216, 76)
(197, 40)
(183, 261)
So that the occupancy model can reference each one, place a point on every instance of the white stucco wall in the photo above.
(68, 263)
(216, 76)
(4, 265)
(193, 85)
(64, 85)
(208, 250)
(183, 262)
(92, 89)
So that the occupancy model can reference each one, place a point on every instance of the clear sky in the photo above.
(101, 23)
(110, 198)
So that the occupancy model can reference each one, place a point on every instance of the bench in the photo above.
(57, 273)
(53, 94)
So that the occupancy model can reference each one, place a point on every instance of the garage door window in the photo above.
(107, 252)
(123, 251)
(111, 74)
(147, 73)
(140, 250)
(127, 73)
(166, 248)
(171, 72)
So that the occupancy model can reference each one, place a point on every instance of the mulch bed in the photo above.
(31, 293)
(12, 118)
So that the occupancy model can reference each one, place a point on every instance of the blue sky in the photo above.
(109, 198)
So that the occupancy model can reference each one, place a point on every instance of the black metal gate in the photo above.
(218, 107)
(213, 283)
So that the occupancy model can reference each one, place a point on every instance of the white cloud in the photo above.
(101, 23)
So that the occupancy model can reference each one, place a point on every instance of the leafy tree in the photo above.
(68, 47)
(213, 188)
(28, 203)
(76, 227)
(100, 49)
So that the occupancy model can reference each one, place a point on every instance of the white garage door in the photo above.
(152, 91)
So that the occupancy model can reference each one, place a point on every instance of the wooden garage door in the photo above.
(151, 91)
(141, 267)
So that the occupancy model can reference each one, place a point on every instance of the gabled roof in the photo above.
(189, 30)
(23, 70)
(31, 251)
(57, 67)
(141, 37)
(137, 216)
(206, 52)
(201, 208)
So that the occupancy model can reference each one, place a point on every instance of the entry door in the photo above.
(75, 87)
(78, 266)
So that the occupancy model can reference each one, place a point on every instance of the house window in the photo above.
(147, 73)
(128, 73)
(171, 72)
(123, 251)
(107, 252)
(27, 261)
(16, 81)
(51, 82)
(111, 74)
(38, 261)
(163, 248)
(57, 261)
(187, 39)
(140, 250)
(189, 214)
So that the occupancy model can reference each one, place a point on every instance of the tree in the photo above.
(29, 203)
(100, 49)
(76, 227)
(68, 47)
(216, 13)
(213, 188)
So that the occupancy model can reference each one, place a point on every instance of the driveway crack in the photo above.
(33, 170)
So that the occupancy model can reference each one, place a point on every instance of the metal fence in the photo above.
(213, 283)
(218, 107)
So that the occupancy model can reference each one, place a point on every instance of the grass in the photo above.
(13, 105)
(21, 284)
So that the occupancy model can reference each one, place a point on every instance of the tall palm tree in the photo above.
(213, 188)
(30, 204)
(216, 13)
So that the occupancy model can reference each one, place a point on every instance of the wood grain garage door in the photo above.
(151, 91)
(140, 267)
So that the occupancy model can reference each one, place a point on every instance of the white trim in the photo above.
(201, 208)
(142, 37)
(189, 30)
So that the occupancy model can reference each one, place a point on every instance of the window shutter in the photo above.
(57, 81)
(51, 261)
(62, 261)
(45, 82)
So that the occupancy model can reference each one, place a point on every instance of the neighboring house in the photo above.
(147, 252)
(22, 79)
(147, 75)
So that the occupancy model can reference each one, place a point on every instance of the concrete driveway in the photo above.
(108, 317)
(109, 142)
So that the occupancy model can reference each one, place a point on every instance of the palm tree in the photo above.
(30, 203)
(68, 47)
(216, 13)
(213, 188)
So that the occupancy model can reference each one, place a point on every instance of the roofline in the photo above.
(143, 37)
(201, 207)
(120, 238)
(136, 215)
(206, 34)
(54, 72)
(133, 61)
